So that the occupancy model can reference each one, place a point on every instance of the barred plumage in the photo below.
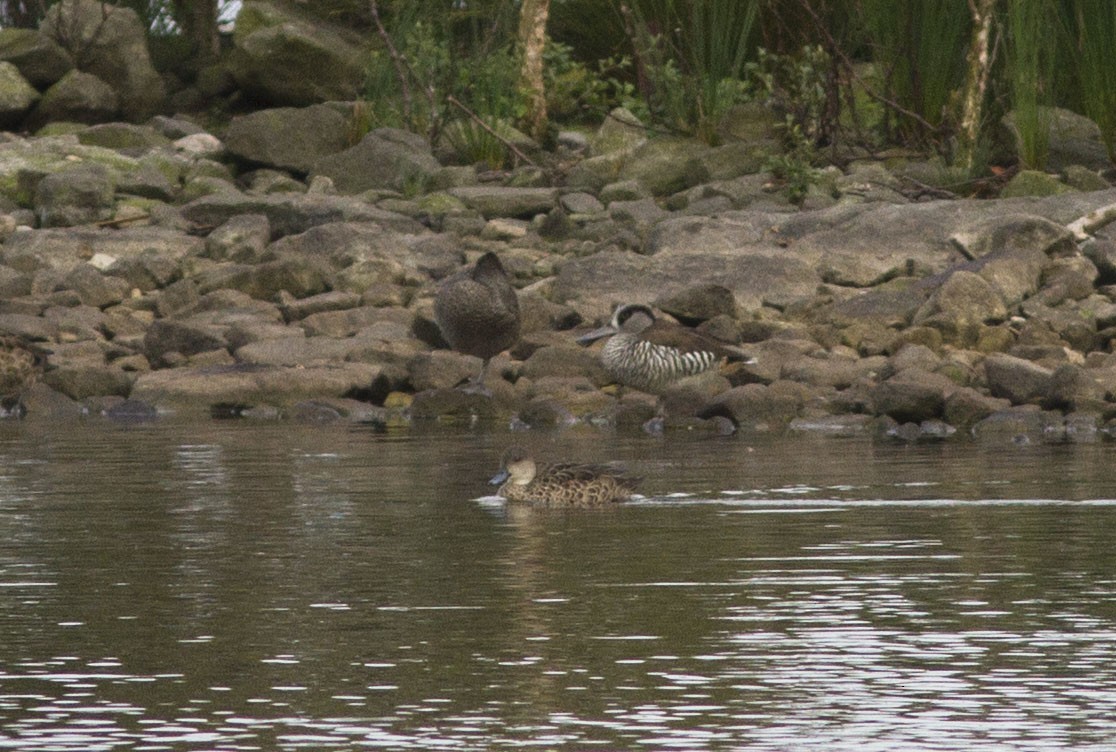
(651, 354)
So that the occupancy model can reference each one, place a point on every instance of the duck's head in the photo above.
(631, 318)
(516, 467)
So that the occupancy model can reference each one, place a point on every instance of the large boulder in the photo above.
(385, 158)
(110, 42)
(287, 138)
(285, 58)
(75, 196)
(16, 96)
(40, 59)
(78, 97)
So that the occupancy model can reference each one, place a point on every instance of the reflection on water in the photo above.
(233, 586)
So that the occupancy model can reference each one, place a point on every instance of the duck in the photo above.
(650, 354)
(570, 485)
(21, 364)
(477, 311)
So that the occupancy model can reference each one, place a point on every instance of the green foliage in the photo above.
(795, 166)
(1030, 68)
(692, 53)
(794, 86)
(1092, 40)
(920, 48)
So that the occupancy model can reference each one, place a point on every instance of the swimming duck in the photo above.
(561, 485)
(478, 312)
(21, 364)
(650, 354)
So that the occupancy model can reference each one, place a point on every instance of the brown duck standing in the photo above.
(650, 354)
(21, 364)
(478, 312)
(521, 479)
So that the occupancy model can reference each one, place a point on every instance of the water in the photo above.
(232, 586)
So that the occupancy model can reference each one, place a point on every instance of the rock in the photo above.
(76, 97)
(16, 95)
(287, 138)
(75, 196)
(165, 337)
(959, 307)
(965, 407)
(289, 214)
(123, 137)
(758, 407)
(81, 381)
(912, 395)
(1074, 388)
(452, 405)
(693, 305)
(1072, 140)
(386, 158)
(662, 165)
(501, 201)
(1016, 379)
(284, 57)
(242, 238)
(112, 44)
(1034, 183)
(1020, 425)
(202, 390)
(40, 60)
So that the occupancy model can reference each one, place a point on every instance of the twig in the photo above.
(397, 59)
(476, 118)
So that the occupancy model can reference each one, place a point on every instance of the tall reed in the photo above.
(1029, 69)
(693, 54)
(919, 48)
(1093, 29)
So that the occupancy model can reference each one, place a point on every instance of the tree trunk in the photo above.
(198, 21)
(532, 42)
(979, 62)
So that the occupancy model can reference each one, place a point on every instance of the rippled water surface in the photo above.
(232, 586)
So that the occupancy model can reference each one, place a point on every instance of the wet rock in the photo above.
(758, 407)
(1021, 425)
(965, 407)
(833, 425)
(453, 405)
(913, 395)
(80, 381)
(200, 390)
(960, 306)
(442, 369)
(1074, 388)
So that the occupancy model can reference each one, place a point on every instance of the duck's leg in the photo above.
(475, 384)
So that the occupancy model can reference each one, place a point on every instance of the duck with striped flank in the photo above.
(651, 354)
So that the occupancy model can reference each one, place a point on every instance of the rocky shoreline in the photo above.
(261, 274)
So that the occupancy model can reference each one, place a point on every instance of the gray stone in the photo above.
(16, 96)
(112, 44)
(79, 195)
(385, 158)
(285, 57)
(40, 60)
(912, 395)
(501, 201)
(165, 336)
(1016, 379)
(287, 138)
(78, 97)
(290, 214)
(242, 238)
